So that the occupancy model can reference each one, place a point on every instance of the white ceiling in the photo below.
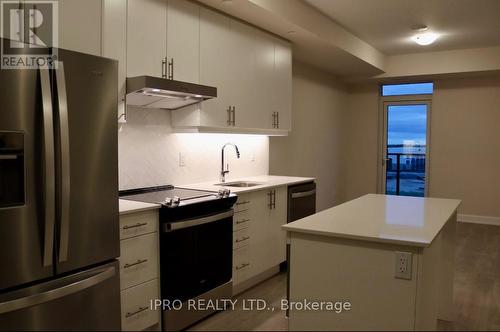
(386, 24)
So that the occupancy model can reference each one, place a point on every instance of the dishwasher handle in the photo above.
(304, 193)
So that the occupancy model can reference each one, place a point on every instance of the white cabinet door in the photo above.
(80, 25)
(240, 66)
(276, 218)
(146, 37)
(114, 41)
(283, 83)
(215, 46)
(267, 238)
(183, 40)
(264, 87)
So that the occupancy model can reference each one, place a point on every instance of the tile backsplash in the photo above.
(150, 154)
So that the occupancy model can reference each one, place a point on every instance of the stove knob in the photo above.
(221, 193)
(176, 201)
(168, 201)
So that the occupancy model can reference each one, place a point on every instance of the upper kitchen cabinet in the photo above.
(252, 72)
(215, 68)
(282, 85)
(241, 66)
(264, 104)
(114, 42)
(80, 25)
(183, 40)
(146, 37)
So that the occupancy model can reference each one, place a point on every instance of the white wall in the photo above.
(149, 153)
(465, 143)
(314, 145)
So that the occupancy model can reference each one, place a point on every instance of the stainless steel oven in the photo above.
(196, 263)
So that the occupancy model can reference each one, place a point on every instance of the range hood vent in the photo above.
(155, 92)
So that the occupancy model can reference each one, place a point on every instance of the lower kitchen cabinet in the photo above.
(138, 260)
(259, 244)
(139, 270)
(136, 313)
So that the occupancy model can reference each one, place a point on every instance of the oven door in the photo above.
(196, 255)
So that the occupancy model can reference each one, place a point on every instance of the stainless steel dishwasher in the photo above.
(301, 203)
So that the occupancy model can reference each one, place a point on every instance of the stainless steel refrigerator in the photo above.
(59, 196)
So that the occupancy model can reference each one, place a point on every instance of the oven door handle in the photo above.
(174, 226)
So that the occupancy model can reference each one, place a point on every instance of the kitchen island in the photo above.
(387, 261)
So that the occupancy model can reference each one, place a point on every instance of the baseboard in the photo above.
(479, 219)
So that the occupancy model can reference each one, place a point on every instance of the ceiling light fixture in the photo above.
(424, 36)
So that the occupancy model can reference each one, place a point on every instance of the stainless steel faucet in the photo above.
(222, 171)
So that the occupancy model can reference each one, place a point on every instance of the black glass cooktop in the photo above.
(159, 194)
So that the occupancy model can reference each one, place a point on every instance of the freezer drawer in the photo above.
(89, 300)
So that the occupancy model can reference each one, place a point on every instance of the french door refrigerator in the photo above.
(59, 196)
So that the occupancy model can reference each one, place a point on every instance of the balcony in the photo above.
(405, 174)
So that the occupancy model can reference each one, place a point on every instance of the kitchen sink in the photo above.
(239, 184)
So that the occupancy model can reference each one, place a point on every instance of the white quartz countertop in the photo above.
(126, 206)
(265, 181)
(410, 221)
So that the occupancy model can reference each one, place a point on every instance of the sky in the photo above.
(407, 123)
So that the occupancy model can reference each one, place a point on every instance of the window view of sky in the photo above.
(407, 123)
(407, 89)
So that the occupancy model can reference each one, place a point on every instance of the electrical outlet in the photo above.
(403, 265)
(182, 159)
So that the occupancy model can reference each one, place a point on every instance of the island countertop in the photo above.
(412, 221)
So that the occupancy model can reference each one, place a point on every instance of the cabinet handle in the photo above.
(272, 200)
(277, 119)
(135, 226)
(133, 313)
(234, 116)
(241, 203)
(244, 238)
(229, 116)
(171, 69)
(139, 261)
(241, 211)
(242, 266)
(274, 119)
(242, 221)
(163, 68)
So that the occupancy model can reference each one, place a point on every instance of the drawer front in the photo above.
(241, 222)
(241, 238)
(136, 311)
(135, 224)
(243, 203)
(242, 265)
(138, 260)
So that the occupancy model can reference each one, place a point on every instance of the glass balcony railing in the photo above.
(405, 174)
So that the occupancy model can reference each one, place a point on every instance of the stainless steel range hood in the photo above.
(155, 92)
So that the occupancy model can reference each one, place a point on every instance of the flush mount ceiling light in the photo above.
(424, 36)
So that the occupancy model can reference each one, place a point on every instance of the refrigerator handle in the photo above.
(65, 162)
(53, 294)
(49, 166)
